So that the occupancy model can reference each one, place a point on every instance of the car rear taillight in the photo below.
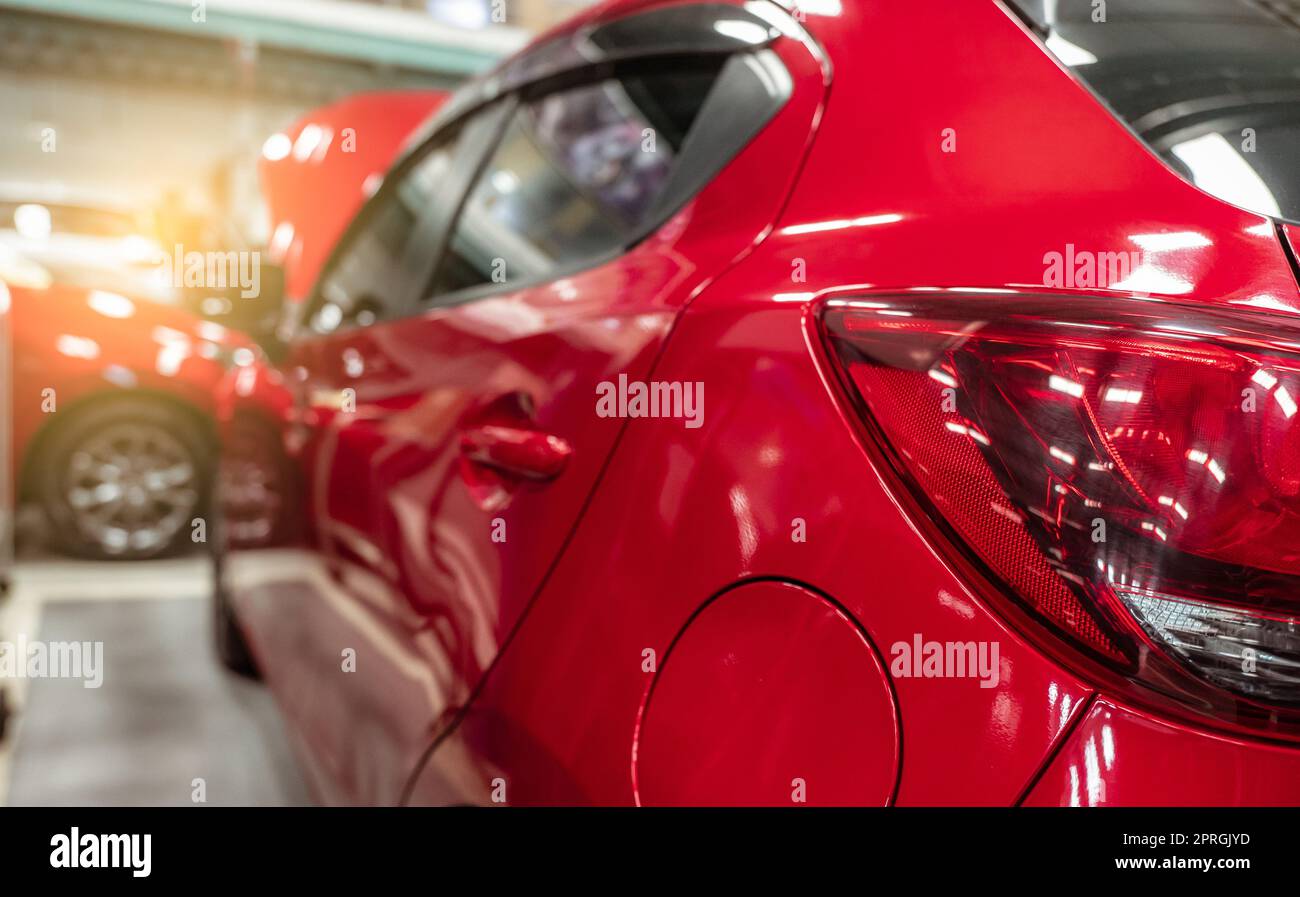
(1127, 471)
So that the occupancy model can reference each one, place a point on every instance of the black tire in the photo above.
(227, 637)
(160, 503)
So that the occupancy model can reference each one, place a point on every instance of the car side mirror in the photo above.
(255, 308)
(265, 307)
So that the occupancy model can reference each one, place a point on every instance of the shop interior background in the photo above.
(133, 126)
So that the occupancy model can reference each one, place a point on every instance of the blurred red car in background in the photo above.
(112, 402)
(114, 390)
(992, 496)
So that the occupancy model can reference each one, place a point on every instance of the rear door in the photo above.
(456, 445)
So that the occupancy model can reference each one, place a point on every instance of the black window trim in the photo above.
(467, 158)
(434, 226)
(668, 31)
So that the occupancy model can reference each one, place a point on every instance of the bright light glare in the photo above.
(77, 346)
(1218, 169)
(1065, 385)
(504, 181)
(1285, 402)
(1264, 379)
(1120, 394)
(277, 147)
(1060, 455)
(1197, 456)
(964, 430)
(308, 140)
(1070, 54)
(461, 13)
(110, 305)
(33, 221)
(749, 32)
(281, 240)
(211, 330)
(1170, 241)
(841, 223)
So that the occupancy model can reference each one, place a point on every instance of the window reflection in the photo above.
(367, 282)
(577, 175)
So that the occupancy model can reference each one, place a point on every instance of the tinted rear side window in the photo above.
(577, 175)
(366, 282)
(1212, 86)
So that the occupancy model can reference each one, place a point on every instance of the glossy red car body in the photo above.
(73, 348)
(648, 629)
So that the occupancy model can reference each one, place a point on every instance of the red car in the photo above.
(112, 400)
(841, 403)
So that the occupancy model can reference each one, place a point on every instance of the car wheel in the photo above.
(124, 480)
(255, 486)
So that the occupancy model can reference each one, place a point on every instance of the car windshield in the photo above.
(1212, 86)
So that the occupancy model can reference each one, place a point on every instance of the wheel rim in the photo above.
(251, 489)
(131, 487)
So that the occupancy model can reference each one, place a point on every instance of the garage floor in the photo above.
(166, 713)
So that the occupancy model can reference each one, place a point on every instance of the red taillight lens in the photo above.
(1128, 470)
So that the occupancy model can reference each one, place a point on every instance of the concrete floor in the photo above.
(166, 714)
